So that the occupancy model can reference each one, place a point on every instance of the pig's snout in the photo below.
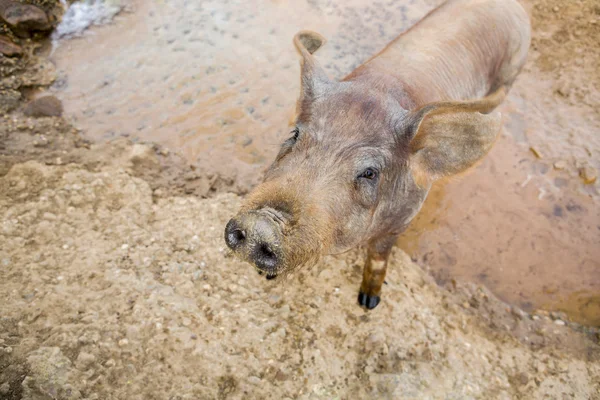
(256, 236)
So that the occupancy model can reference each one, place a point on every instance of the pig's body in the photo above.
(365, 150)
(462, 50)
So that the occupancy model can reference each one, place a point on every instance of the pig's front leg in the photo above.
(374, 271)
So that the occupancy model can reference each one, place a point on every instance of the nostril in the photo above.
(266, 251)
(265, 257)
(239, 235)
(234, 236)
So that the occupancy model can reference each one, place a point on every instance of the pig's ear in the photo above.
(449, 137)
(313, 77)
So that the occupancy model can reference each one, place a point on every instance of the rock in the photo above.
(535, 152)
(47, 106)
(40, 73)
(560, 164)
(375, 342)
(255, 380)
(563, 88)
(281, 376)
(4, 388)
(23, 17)
(84, 360)
(143, 157)
(8, 48)
(9, 100)
(588, 174)
(49, 376)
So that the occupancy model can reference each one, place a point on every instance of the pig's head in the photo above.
(356, 166)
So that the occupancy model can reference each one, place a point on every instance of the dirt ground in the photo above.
(115, 282)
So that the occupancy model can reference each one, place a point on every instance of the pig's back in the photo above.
(461, 50)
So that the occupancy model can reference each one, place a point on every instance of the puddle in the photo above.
(218, 80)
(518, 227)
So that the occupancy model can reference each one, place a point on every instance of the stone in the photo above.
(535, 152)
(49, 376)
(560, 164)
(47, 106)
(84, 360)
(23, 17)
(143, 157)
(41, 72)
(563, 88)
(588, 174)
(8, 48)
(9, 100)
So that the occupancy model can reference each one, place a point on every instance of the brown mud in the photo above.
(115, 282)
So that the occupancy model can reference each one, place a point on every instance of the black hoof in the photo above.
(370, 302)
(269, 277)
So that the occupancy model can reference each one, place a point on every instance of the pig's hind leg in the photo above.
(374, 271)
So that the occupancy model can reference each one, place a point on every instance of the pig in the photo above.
(364, 151)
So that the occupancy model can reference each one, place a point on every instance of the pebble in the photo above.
(8, 48)
(123, 342)
(24, 17)
(560, 164)
(46, 106)
(84, 359)
(560, 322)
(285, 311)
(255, 380)
(535, 152)
(541, 367)
(588, 174)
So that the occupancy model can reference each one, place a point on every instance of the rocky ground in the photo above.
(115, 284)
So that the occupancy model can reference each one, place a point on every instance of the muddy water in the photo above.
(217, 81)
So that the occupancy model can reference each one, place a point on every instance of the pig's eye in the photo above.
(369, 173)
(296, 134)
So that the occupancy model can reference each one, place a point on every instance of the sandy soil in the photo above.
(115, 284)
(109, 294)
